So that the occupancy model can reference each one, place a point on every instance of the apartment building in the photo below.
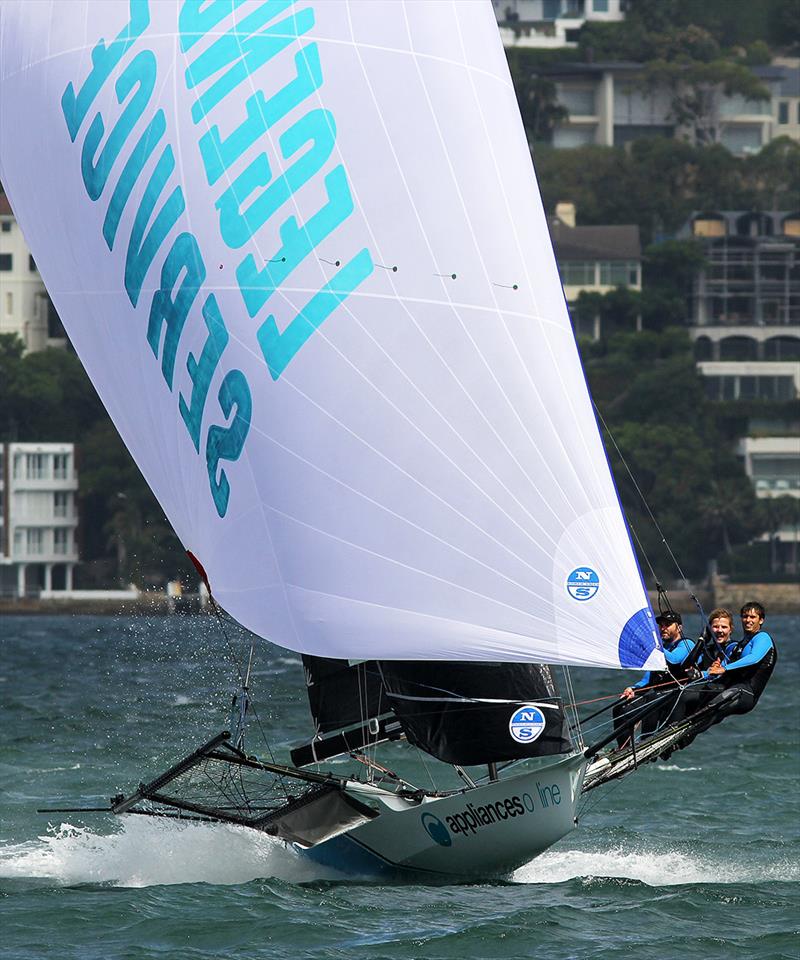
(745, 316)
(550, 23)
(610, 104)
(25, 307)
(745, 307)
(38, 517)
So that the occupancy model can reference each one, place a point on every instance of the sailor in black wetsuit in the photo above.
(734, 684)
(633, 704)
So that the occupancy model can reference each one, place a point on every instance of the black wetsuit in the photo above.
(661, 682)
(748, 666)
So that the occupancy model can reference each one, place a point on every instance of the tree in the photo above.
(668, 454)
(536, 93)
(697, 88)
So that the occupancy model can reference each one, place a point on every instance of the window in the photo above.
(578, 100)
(783, 112)
(742, 139)
(777, 472)
(578, 273)
(5, 226)
(34, 541)
(61, 540)
(600, 6)
(17, 542)
(619, 273)
(6, 261)
(565, 137)
(34, 466)
(60, 466)
(60, 504)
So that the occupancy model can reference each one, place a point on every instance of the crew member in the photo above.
(655, 684)
(734, 683)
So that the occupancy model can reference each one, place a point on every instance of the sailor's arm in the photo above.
(757, 649)
(629, 692)
(679, 652)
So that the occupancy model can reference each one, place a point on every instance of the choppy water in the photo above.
(696, 858)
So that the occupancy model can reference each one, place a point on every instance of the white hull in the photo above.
(486, 831)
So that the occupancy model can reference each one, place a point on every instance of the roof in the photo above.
(5, 206)
(596, 67)
(596, 243)
(788, 77)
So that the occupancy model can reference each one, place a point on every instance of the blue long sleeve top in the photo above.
(754, 651)
(675, 655)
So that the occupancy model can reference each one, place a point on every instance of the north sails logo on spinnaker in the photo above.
(583, 583)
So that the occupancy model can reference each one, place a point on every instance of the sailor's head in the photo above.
(670, 625)
(752, 615)
(721, 621)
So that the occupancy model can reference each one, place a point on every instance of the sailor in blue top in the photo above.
(656, 683)
(736, 682)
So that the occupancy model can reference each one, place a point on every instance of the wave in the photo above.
(145, 852)
(656, 869)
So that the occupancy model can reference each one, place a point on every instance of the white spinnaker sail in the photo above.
(301, 252)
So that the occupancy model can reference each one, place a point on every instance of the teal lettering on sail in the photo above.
(279, 348)
(219, 155)
(104, 59)
(317, 128)
(244, 51)
(140, 73)
(297, 242)
(227, 443)
(168, 311)
(201, 371)
(197, 17)
(134, 165)
(142, 249)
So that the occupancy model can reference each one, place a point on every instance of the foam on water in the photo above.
(145, 852)
(665, 869)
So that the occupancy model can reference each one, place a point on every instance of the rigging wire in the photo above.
(681, 574)
(243, 680)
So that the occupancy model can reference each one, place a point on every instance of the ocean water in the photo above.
(693, 858)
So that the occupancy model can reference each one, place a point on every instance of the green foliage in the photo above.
(654, 28)
(47, 396)
(44, 395)
(652, 400)
(658, 182)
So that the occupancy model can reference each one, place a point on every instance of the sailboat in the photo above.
(301, 252)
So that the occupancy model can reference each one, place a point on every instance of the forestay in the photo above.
(301, 252)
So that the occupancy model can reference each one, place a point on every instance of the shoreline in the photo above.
(778, 598)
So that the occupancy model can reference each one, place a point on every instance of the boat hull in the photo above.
(486, 831)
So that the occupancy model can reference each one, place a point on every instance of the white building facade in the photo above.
(610, 104)
(25, 308)
(38, 517)
(550, 23)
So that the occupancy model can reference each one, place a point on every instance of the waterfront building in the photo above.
(745, 324)
(25, 307)
(38, 517)
(595, 259)
(745, 305)
(610, 104)
(550, 23)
